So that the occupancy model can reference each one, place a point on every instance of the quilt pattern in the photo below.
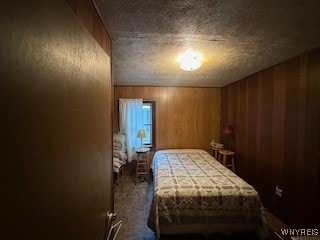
(191, 186)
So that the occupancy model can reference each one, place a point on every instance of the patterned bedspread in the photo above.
(190, 186)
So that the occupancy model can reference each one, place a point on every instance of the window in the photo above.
(148, 121)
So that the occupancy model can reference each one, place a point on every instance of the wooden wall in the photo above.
(185, 117)
(90, 18)
(276, 118)
(56, 125)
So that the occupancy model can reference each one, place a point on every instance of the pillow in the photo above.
(119, 137)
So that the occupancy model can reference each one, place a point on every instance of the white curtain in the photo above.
(130, 121)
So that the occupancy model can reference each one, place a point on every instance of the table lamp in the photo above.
(228, 130)
(141, 135)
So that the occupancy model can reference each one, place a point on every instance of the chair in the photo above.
(119, 155)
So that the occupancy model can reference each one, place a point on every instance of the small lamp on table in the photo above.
(141, 135)
(228, 130)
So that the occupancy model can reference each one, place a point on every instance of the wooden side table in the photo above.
(227, 158)
(142, 170)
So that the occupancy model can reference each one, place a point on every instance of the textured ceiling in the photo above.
(236, 38)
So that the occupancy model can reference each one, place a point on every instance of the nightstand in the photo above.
(142, 170)
(227, 159)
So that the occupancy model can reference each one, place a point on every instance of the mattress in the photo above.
(193, 193)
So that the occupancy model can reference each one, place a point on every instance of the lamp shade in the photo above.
(228, 129)
(141, 134)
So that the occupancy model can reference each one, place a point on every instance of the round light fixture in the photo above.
(190, 60)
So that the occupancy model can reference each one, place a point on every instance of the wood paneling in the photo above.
(88, 14)
(97, 28)
(311, 168)
(72, 4)
(85, 12)
(106, 41)
(55, 97)
(251, 129)
(185, 117)
(277, 135)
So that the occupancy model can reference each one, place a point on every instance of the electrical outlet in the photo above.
(278, 191)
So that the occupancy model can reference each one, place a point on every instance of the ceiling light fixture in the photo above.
(190, 60)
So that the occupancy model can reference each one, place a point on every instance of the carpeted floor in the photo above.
(132, 204)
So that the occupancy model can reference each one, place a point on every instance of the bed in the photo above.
(194, 193)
